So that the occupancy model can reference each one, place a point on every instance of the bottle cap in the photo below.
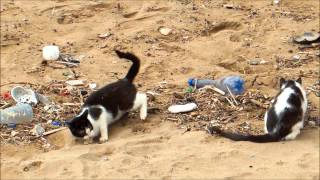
(190, 82)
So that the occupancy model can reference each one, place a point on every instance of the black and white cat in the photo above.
(284, 119)
(109, 104)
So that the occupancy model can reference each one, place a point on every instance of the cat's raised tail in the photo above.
(134, 69)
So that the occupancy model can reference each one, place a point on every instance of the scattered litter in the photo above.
(38, 130)
(12, 125)
(14, 133)
(44, 100)
(92, 86)
(105, 35)
(165, 31)
(50, 53)
(6, 96)
(75, 82)
(276, 2)
(229, 6)
(307, 38)
(234, 83)
(296, 57)
(56, 123)
(22, 95)
(182, 108)
(16, 114)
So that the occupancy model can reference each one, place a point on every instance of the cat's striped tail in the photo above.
(134, 69)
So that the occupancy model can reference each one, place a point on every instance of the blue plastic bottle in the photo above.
(234, 83)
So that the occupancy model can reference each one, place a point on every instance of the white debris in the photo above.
(75, 82)
(182, 108)
(165, 31)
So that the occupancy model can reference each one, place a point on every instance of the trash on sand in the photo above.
(14, 133)
(50, 53)
(92, 86)
(44, 100)
(75, 82)
(276, 2)
(17, 114)
(182, 108)
(307, 38)
(6, 96)
(56, 123)
(233, 83)
(22, 95)
(38, 130)
(296, 57)
(12, 125)
(165, 31)
(257, 62)
(105, 35)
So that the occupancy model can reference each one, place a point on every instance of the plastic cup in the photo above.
(50, 53)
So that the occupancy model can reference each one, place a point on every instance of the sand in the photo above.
(156, 148)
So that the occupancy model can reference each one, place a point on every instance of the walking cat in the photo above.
(109, 104)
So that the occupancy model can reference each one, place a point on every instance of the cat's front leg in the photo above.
(103, 131)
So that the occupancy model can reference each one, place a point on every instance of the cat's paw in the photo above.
(143, 116)
(103, 140)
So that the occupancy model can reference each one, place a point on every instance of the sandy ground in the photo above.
(253, 29)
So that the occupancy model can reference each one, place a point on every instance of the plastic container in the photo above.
(22, 95)
(18, 114)
(234, 83)
(50, 53)
(182, 108)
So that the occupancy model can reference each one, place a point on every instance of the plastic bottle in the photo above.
(17, 114)
(234, 83)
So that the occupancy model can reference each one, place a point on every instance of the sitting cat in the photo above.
(283, 120)
(109, 104)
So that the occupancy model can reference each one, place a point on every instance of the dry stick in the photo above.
(16, 83)
(54, 131)
(258, 103)
(5, 106)
(214, 89)
(230, 102)
(172, 119)
(234, 99)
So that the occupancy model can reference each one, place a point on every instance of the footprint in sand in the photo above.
(32, 166)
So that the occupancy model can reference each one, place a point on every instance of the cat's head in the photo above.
(78, 124)
(286, 83)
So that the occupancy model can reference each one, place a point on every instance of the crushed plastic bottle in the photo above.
(234, 83)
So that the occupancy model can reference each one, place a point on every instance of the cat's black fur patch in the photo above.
(113, 97)
(278, 125)
(95, 112)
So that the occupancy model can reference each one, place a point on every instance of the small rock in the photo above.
(296, 57)
(254, 62)
(312, 123)
(165, 31)
(14, 133)
(194, 114)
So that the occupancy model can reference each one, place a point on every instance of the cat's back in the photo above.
(113, 93)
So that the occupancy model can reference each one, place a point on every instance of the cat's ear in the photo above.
(282, 82)
(299, 80)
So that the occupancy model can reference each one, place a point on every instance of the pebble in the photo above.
(296, 57)
(165, 31)
(38, 130)
(92, 86)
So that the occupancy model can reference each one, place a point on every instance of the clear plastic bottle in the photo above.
(18, 114)
(234, 83)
